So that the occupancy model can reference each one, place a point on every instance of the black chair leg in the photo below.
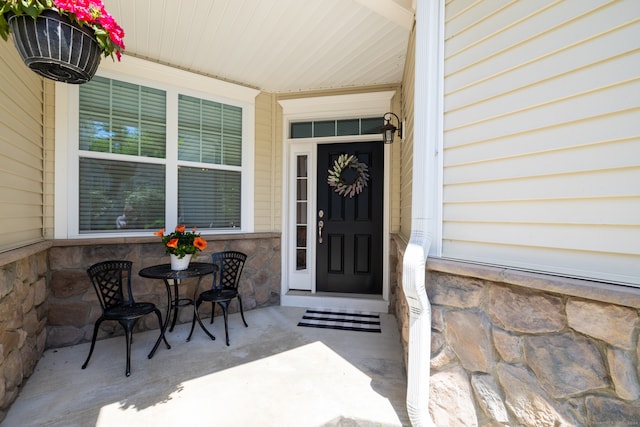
(213, 310)
(162, 335)
(128, 335)
(225, 305)
(242, 312)
(206, 331)
(93, 341)
(196, 316)
(193, 321)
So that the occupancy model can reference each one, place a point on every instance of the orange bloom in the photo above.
(200, 243)
(159, 233)
(173, 243)
(180, 228)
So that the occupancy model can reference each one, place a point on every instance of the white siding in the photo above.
(264, 205)
(21, 151)
(542, 136)
(49, 157)
(405, 167)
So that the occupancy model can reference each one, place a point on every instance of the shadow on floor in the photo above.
(273, 374)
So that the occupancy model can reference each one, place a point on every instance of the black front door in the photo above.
(349, 241)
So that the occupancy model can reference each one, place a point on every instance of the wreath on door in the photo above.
(348, 176)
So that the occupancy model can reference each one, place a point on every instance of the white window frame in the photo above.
(173, 81)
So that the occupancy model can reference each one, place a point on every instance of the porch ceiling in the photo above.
(272, 45)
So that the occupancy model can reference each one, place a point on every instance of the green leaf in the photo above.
(4, 28)
(32, 12)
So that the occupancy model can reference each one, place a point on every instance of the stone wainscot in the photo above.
(516, 348)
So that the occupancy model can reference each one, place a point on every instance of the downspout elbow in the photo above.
(418, 372)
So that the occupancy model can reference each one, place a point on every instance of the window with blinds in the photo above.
(125, 159)
(209, 134)
(208, 198)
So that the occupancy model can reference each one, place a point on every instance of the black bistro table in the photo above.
(164, 272)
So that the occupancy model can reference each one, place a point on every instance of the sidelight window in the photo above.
(302, 204)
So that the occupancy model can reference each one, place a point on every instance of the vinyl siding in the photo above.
(405, 167)
(21, 151)
(49, 156)
(395, 177)
(542, 136)
(265, 151)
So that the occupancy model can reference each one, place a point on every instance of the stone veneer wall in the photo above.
(23, 318)
(504, 353)
(74, 307)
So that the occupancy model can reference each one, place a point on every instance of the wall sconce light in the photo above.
(389, 129)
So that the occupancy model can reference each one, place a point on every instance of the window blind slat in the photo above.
(210, 132)
(121, 195)
(117, 194)
(123, 118)
(209, 198)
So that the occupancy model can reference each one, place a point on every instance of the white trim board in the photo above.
(370, 104)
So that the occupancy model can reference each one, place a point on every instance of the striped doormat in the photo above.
(341, 319)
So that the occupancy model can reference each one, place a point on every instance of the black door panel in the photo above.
(349, 255)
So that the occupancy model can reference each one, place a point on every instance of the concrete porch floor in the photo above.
(273, 374)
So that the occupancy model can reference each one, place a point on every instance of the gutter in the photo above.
(426, 193)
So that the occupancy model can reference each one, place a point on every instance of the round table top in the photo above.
(164, 271)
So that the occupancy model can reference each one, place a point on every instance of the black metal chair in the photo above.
(224, 289)
(109, 279)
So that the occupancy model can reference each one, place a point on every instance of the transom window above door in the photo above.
(341, 127)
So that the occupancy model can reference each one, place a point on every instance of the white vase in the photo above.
(180, 263)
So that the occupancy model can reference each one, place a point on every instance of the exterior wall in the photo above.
(512, 348)
(541, 136)
(49, 158)
(21, 150)
(23, 318)
(73, 305)
(405, 167)
(265, 207)
(26, 152)
(393, 160)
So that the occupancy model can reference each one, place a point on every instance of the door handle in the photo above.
(320, 227)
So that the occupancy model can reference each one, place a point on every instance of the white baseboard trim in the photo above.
(373, 303)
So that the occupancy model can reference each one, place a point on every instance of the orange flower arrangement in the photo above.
(180, 242)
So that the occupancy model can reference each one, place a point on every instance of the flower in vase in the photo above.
(181, 242)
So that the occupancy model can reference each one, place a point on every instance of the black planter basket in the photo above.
(56, 48)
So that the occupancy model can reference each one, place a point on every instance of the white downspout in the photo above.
(425, 195)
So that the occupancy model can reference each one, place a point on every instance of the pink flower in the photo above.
(93, 13)
(116, 33)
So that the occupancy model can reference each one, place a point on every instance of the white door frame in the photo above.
(323, 108)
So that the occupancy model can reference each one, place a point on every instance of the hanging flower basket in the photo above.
(61, 40)
(56, 48)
